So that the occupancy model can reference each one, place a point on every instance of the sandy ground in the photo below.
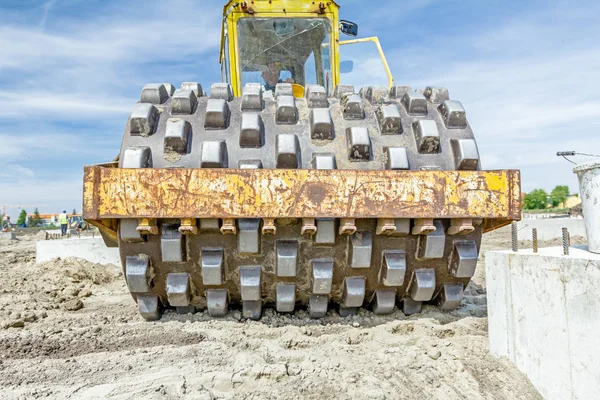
(69, 329)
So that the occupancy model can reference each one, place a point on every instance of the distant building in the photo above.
(46, 219)
(52, 219)
(571, 201)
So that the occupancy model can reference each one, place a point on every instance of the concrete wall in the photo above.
(544, 315)
(91, 249)
(551, 228)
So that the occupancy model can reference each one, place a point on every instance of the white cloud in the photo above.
(57, 104)
(48, 196)
(69, 80)
(529, 87)
(15, 147)
(96, 42)
(380, 15)
(45, 13)
(368, 69)
(15, 172)
(523, 99)
(96, 64)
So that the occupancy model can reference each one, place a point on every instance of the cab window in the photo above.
(277, 50)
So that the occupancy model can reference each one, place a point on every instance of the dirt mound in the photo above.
(78, 271)
(29, 292)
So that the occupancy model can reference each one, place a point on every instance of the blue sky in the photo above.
(527, 72)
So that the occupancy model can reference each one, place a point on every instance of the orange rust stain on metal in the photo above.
(206, 193)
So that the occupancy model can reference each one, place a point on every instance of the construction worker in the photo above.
(63, 219)
(6, 225)
(271, 75)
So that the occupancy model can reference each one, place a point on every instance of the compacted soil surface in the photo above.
(70, 329)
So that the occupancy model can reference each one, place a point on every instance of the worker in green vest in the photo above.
(63, 219)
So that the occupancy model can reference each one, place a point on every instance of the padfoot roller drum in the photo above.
(288, 262)
(296, 191)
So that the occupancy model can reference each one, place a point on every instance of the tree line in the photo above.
(539, 199)
(32, 221)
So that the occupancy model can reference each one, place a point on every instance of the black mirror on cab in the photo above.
(348, 28)
(346, 66)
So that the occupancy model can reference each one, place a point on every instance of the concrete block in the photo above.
(90, 249)
(544, 316)
(8, 235)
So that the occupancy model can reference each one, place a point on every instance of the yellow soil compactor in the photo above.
(284, 187)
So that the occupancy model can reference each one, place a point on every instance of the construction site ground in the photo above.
(69, 329)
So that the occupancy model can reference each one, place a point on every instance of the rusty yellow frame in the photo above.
(113, 193)
(236, 10)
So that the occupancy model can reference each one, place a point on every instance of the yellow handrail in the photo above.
(375, 40)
